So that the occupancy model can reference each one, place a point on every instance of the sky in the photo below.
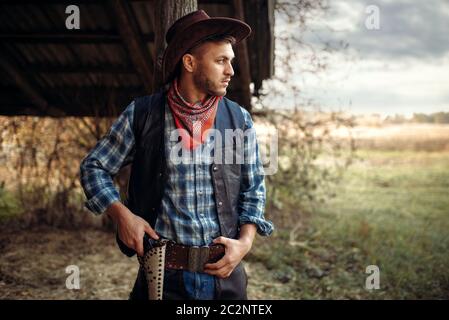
(400, 66)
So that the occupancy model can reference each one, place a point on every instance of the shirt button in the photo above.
(220, 204)
(215, 168)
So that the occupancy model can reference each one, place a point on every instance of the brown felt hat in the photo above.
(190, 30)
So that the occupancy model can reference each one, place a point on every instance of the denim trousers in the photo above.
(183, 284)
(186, 285)
(199, 286)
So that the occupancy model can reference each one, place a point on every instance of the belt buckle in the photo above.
(198, 257)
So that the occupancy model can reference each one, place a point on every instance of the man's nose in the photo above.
(229, 70)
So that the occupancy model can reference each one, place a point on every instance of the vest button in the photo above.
(220, 204)
(160, 174)
(215, 168)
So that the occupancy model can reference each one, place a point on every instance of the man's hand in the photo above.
(235, 250)
(131, 228)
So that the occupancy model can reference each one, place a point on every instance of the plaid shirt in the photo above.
(187, 214)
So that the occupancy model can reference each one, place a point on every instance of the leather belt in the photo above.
(191, 258)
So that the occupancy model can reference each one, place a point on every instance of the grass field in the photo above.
(391, 210)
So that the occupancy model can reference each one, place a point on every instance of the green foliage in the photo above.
(9, 206)
(437, 117)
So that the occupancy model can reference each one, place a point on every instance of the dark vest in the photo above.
(148, 173)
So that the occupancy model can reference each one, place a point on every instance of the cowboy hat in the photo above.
(190, 30)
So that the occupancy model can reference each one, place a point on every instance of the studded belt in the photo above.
(191, 258)
(182, 257)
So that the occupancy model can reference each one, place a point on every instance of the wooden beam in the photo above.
(130, 35)
(84, 101)
(243, 60)
(89, 2)
(261, 44)
(114, 69)
(67, 37)
(70, 110)
(199, 1)
(26, 85)
(45, 2)
(75, 89)
(18, 110)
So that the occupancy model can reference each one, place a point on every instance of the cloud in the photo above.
(408, 29)
(401, 68)
(373, 87)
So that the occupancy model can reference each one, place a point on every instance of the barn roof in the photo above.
(47, 69)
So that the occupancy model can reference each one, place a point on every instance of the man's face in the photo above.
(213, 69)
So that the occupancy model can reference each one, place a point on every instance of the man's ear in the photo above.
(188, 62)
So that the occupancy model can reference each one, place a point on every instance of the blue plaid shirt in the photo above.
(187, 214)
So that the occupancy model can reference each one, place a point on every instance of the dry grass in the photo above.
(417, 137)
(33, 263)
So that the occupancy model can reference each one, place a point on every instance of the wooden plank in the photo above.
(73, 36)
(114, 69)
(243, 61)
(26, 85)
(19, 110)
(45, 2)
(131, 38)
(260, 16)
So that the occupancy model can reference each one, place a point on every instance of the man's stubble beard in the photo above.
(201, 81)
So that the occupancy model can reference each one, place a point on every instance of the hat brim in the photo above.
(196, 32)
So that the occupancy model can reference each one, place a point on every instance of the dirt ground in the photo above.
(33, 266)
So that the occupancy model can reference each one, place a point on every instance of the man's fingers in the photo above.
(217, 265)
(139, 242)
(222, 240)
(151, 232)
(139, 247)
(221, 273)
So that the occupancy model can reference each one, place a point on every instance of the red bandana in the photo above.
(196, 118)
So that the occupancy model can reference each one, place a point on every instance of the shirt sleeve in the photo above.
(252, 192)
(112, 152)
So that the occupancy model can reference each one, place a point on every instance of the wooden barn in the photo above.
(47, 69)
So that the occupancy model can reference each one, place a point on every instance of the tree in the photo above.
(164, 14)
(311, 158)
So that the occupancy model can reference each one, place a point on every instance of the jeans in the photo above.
(199, 286)
(185, 285)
